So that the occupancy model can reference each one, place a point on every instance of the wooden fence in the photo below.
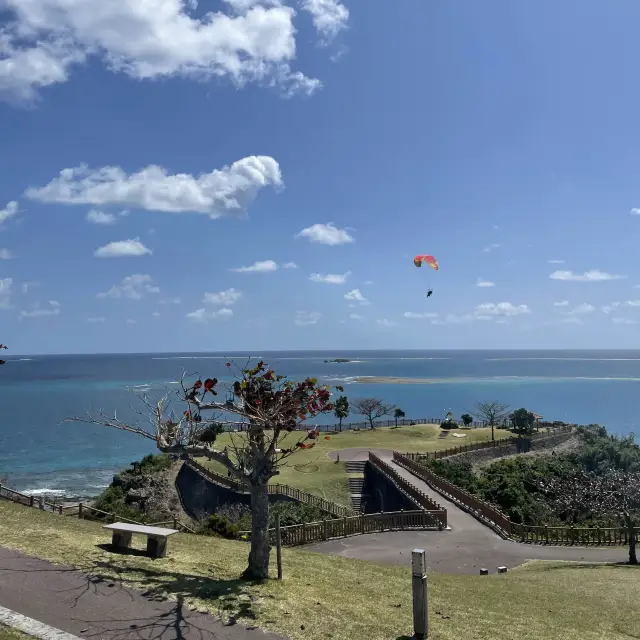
(274, 489)
(502, 524)
(492, 444)
(414, 494)
(357, 525)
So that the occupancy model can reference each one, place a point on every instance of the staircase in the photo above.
(356, 483)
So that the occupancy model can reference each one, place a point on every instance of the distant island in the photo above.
(338, 360)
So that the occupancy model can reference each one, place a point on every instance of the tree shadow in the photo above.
(123, 551)
(587, 565)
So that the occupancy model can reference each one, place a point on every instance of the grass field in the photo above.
(313, 471)
(11, 634)
(541, 601)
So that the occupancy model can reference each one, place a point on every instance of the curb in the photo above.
(32, 627)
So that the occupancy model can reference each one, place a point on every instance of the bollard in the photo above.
(502, 569)
(419, 587)
(484, 572)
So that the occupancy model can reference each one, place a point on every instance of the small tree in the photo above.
(589, 496)
(372, 409)
(466, 419)
(2, 346)
(492, 413)
(523, 422)
(398, 413)
(341, 409)
(269, 406)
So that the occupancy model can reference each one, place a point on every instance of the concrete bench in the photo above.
(156, 537)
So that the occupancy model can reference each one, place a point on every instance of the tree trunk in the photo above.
(340, 424)
(492, 434)
(258, 568)
(633, 558)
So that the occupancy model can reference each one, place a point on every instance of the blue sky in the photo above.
(151, 149)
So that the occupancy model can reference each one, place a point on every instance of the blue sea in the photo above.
(39, 452)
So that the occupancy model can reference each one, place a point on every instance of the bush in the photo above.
(112, 500)
(448, 424)
(151, 463)
(216, 525)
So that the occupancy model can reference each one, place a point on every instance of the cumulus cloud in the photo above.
(5, 292)
(123, 249)
(595, 275)
(383, 322)
(633, 303)
(623, 321)
(329, 17)
(204, 315)
(485, 283)
(133, 287)
(562, 303)
(356, 296)
(555, 261)
(96, 216)
(306, 318)
(5, 254)
(326, 234)
(42, 41)
(12, 207)
(635, 211)
(608, 308)
(330, 278)
(501, 309)
(580, 309)
(423, 315)
(223, 191)
(355, 316)
(223, 298)
(289, 265)
(264, 266)
(39, 312)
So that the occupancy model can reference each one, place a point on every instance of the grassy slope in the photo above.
(542, 601)
(312, 471)
(11, 634)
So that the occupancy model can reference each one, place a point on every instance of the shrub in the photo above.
(112, 500)
(216, 525)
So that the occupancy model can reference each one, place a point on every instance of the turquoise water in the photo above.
(39, 452)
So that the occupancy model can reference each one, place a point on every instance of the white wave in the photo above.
(58, 493)
(211, 358)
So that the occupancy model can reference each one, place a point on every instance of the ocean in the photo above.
(41, 453)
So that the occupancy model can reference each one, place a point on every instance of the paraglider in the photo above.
(431, 261)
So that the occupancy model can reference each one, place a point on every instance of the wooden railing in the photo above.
(566, 430)
(356, 525)
(274, 489)
(414, 494)
(581, 536)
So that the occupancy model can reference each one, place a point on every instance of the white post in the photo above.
(419, 587)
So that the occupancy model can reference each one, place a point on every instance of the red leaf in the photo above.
(198, 384)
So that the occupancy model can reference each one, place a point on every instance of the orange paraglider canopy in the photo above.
(430, 260)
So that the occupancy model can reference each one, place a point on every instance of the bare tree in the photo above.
(372, 409)
(492, 413)
(589, 496)
(264, 405)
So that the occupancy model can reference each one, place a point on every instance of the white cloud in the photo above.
(43, 40)
(5, 292)
(452, 318)
(383, 322)
(204, 315)
(368, 281)
(633, 303)
(623, 321)
(171, 301)
(131, 321)
(608, 308)
(132, 287)
(306, 318)
(594, 275)
(635, 211)
(5, 254)
(570, 320)
(123, 249)
(356, 296)
(223, 298)
(326, 234)
(501, 309)
(424, 315)
(330, 278)
(96, 319)
(264, 266)
(37, 312)
(12, 207)
(329, 17)
(289, 265)
(355, 316)
(485, 283)
(96, 216)
(491, 247)
(581, 309)
(562, 303)
(223, 191)
(555, 261)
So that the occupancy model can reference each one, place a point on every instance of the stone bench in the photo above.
(156, 537)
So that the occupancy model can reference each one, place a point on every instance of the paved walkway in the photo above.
(466, 548)
(102, 610)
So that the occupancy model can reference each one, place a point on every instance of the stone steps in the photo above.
(355, 467)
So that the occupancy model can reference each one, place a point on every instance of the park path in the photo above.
(466, 548)
(97, 609)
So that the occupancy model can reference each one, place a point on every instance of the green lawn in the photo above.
(313, 471)
(7, 633)
(343, 599)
